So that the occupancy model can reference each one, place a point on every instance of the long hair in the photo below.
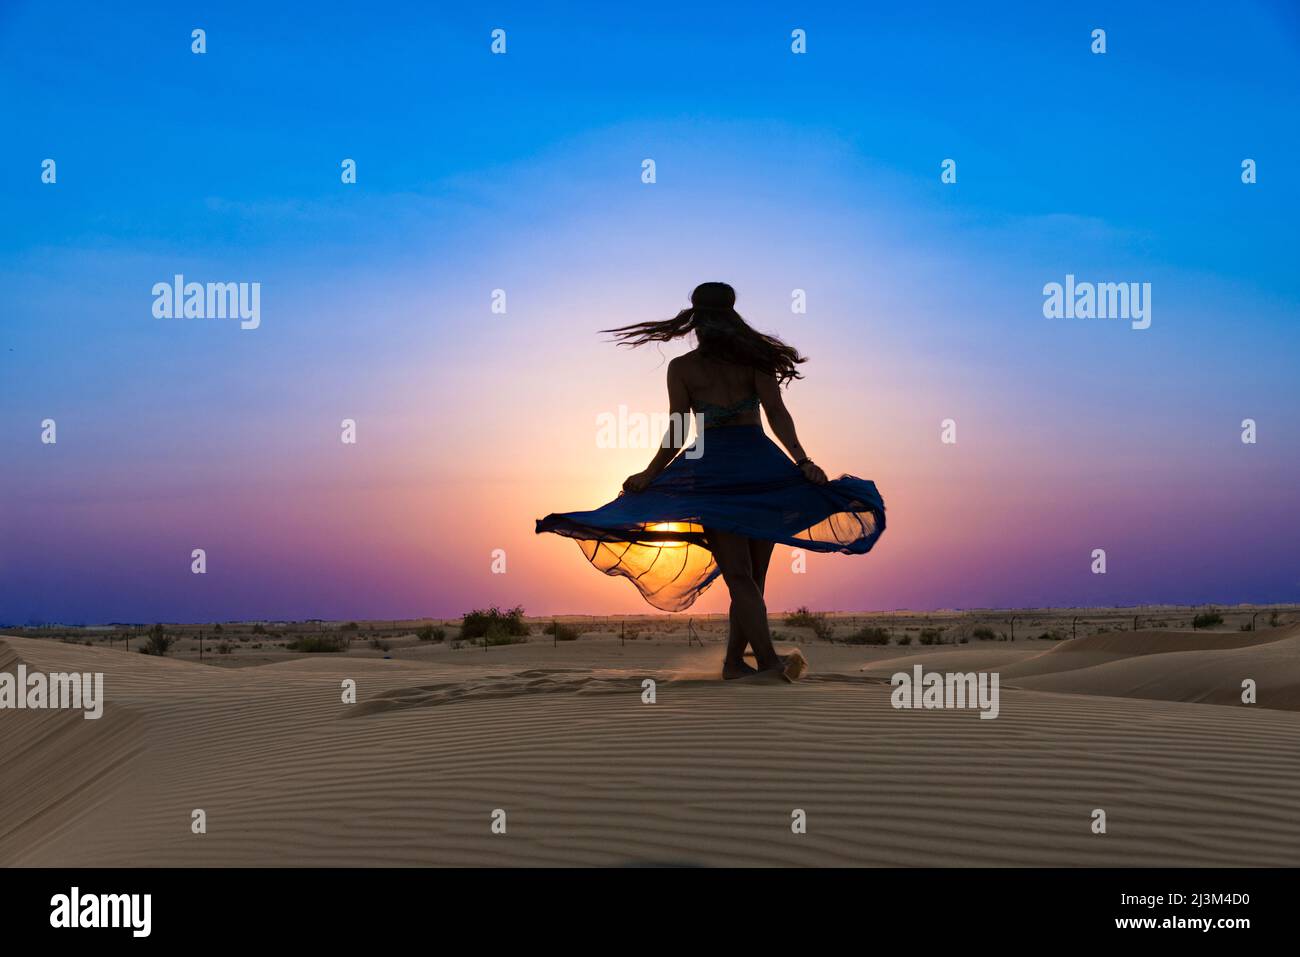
(721, 333)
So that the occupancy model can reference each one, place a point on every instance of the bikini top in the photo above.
(722, 414)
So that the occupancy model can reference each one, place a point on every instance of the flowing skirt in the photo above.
(738, 481)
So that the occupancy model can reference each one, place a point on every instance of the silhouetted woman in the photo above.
(720, 505)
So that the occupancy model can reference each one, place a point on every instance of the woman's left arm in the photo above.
(679, 407)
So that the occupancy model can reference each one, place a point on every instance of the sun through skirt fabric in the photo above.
(735, 480)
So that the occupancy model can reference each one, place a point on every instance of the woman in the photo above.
(719, 507)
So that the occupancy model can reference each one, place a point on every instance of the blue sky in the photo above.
(774, 171)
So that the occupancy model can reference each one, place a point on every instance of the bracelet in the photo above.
(803, 461)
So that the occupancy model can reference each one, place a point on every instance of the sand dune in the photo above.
(1212, 676)
(1206, 667)
(708, 775)
(1123, 646)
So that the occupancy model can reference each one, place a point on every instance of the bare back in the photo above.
(717, 385)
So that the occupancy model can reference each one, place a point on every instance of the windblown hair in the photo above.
(721, 333)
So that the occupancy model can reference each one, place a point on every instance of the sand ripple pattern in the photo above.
(589, 775)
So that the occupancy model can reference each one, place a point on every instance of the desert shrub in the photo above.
(905, 640)
(868, 635)
(1245, 626)
(430, 633)
(1273, 620)
(379, 644)
(1207, 619)
(499, 633)
(477, 623)
(317, 644)
(157, 642)
(217, 629)
(931, 636)
(801, 617)
(259, 629)
(224, 648)
(984, 634)
(563, 632)
(350, 626)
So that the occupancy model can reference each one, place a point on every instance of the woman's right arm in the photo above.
(782, 423)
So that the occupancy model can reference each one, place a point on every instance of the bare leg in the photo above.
(748, 610)
(760, 556)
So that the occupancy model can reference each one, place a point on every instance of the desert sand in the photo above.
(1147, 725)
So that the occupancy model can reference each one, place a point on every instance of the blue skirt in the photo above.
(736, 481)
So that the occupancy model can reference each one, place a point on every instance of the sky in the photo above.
(523, 172)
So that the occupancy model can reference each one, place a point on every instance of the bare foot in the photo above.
(742, 670)
(791, 667)
(795, 665)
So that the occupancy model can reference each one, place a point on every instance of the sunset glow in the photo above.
(924, 304)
